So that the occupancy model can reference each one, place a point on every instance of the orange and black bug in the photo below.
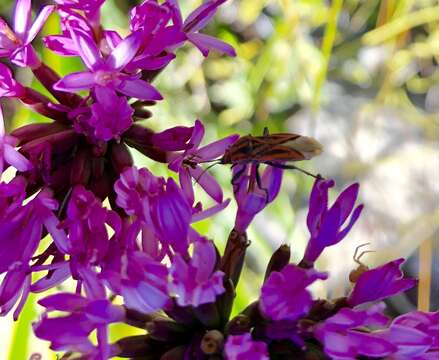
(276, 150)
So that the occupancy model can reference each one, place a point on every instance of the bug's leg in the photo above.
(259, 183)
(266, 132)
(284, 166)
(235, 178)
(357, 258)
(253, 176)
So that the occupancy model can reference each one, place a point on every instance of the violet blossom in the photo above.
(251, 195)
(380, 283)
(107, 72)
(9, 87)
(343, 336)
(197, 20)
(196, 282)
(242, 347)
(325, 224)
(16, 44)
(111, 115)
(415, 334)
(187, 164)
(71, 332)
(91, 8)
(284, 295)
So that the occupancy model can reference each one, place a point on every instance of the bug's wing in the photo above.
(300, 148)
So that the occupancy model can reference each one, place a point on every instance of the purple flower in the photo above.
(284, 295)
(25, 225)
(171, 215)
(380, 283)
(252, 197)
(87, 223)
(134, 189)
(8, 153)
(161, 206)
(63, 44)
(111, 115)
(242, 347)
(71, 332)
(16, 44)
(195, 282)
(187, 164)
(159, 37)
(197, 20)
(9, 87)
(344, 335)
(173, 139)
(325, 224)
(415, 334)
(138, 278)
(107, 72)
(91, 8)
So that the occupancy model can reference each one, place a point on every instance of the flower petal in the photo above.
(217, 148)
(75, 82)
(205, 43)
(207, 182)
(139, 89)
(86, 48)
(125, 51)
(39, 23)
(22, 16)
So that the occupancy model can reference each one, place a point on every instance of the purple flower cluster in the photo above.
(125, 237)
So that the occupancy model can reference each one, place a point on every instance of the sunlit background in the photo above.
(362, 77)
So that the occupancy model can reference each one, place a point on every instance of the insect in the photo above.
(277, 150)
(355, 274)
(271, 149)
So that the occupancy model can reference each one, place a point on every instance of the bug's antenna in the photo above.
(293, 167)
(205, 170)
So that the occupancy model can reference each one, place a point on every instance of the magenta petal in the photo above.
(186, 184)
(113, 38)
(22, 16)
(271, 181)
(75, 82)
(124, 52)
(56, 277)
(208, 183)
(17, 160)
(217, 148)
(152, 62)
(198, 18)
(204, 214)
(64, 302)
(346, 200)
(60, 45)
(139, 89)
(205, 43)
(39, 23)
(87, 48)
(197, 134)
(379, 283)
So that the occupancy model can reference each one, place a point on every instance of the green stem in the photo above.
(327, 45)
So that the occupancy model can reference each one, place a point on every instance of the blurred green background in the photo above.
(362, 77)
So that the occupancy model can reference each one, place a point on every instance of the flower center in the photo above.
(105, 78)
